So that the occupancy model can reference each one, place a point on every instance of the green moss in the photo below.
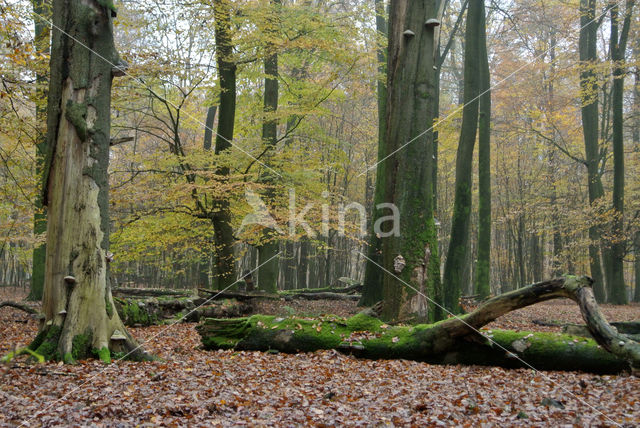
(108, 4)
(76, 113)
(68, 358)
(108, 306)
(104, 354)
(81, 346)
(424, 342)
(131, 313)
(11, 355)
(362, 322)
(48, 347)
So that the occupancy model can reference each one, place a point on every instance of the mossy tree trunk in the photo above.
(411, 256)
(483, 267)
(459, 237)
(42, 11)
(454, 341)
(223, 232)
(79, 314)
(268, 249)
(372, 292)
(617, 291)
(589, 90)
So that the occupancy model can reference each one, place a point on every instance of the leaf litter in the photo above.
(191, 387)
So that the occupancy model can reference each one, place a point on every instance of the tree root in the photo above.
(26, 308)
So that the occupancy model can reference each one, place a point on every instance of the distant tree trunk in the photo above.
(589, 91)
(636, 147)
(372, 292)
(225, 266)
(412, 255)
(483, 266)
(617, 291)
(42, 11)
(79, 314)
(208, 129)
(302, 264)
(457, 251)
(205, 259)
(268, 249)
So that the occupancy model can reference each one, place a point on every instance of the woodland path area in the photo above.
(223, 388)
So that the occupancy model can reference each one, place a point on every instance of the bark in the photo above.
(636, 148)
(636, 267)
(372, 292)
(483, 266)
(208, 130)
(458, 245)
(412, 254)
(617, 290)
(42, 10)
(453, 341)
(223, 232)
(79, 316)
(589, 89)
(268, 250)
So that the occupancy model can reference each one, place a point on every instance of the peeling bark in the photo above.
(79, 316)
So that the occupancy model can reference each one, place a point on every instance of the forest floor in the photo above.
(191, 387)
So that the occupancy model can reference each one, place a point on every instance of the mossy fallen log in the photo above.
(368, 337)
(150, 311)
(453, 341)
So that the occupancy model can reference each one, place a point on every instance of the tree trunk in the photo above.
(589, 91)
(372, 292)
(79, 315)
(454, 341)
(483, 266)
(42, 11)
(412, 254)
(268, 249)
(617, 291)
(225, 266)
(457, 251)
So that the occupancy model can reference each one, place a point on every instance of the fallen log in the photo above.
(150, 292)
(629, 329)
(453, 341)
(355, 288)
(324, 296)
(243, 296)
(150, 311)
(23, 307)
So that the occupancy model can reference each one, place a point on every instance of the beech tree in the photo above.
(225, 266)
(458, 246)
(79, 313)
(412, 255)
